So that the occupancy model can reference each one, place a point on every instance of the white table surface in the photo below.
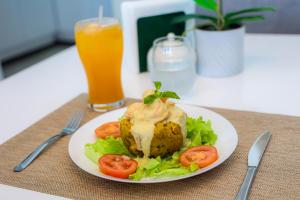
(270, 83)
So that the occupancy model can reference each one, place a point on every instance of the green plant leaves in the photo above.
(150, 99)
(210, 27)
(236, 18)
(157, 85)
(183, 18)
(157, 94)
(221, 22)
(239, 20)
(212, 20)
(249, 10)
(169, 94)
(207, 4)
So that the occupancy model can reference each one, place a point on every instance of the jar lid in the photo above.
(171, 40)
(171, 49)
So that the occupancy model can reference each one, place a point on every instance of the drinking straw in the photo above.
(100, 14)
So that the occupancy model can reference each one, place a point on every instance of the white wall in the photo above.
(25, 25)
(30, 24)
(68, 12)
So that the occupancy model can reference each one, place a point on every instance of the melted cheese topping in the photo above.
(144, 117)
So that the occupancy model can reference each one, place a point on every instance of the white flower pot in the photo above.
(220, 53)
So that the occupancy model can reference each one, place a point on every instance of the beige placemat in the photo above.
(54, 172)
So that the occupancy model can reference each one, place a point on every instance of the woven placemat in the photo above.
(54, 172)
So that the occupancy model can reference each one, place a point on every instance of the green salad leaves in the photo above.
(159, 168)
(110, 145)
(199, 132)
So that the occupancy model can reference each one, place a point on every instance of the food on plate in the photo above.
(201, 155)
(119, 166)
(153, 139)
(155, 127)
(166, 139)
(108, 129)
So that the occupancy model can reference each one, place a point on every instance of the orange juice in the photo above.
(100, 46)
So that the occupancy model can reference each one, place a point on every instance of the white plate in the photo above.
(226, 143)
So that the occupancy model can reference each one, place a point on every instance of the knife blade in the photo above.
(258, 148)
(254, 157)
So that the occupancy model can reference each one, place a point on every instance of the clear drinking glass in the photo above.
(172, 61)
(100, 47)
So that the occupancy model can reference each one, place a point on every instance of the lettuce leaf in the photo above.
(200, 132)
(91, 154)
(159, 168)
(110, 145)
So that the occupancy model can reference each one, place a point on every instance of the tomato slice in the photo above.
(119, 166)
(201, 155)
(108, 129)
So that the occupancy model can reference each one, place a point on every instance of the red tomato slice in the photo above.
(108, 129)
(119, 166)
(201, 155)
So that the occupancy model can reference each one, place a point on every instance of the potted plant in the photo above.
(220, 39)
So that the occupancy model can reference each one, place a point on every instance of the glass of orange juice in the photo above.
(100, 47)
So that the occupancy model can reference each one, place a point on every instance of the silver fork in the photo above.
(70, 128)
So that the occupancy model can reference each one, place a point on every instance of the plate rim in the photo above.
(159, 180)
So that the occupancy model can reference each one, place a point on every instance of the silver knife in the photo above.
(254, 157)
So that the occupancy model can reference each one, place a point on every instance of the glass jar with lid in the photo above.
(172, 61)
